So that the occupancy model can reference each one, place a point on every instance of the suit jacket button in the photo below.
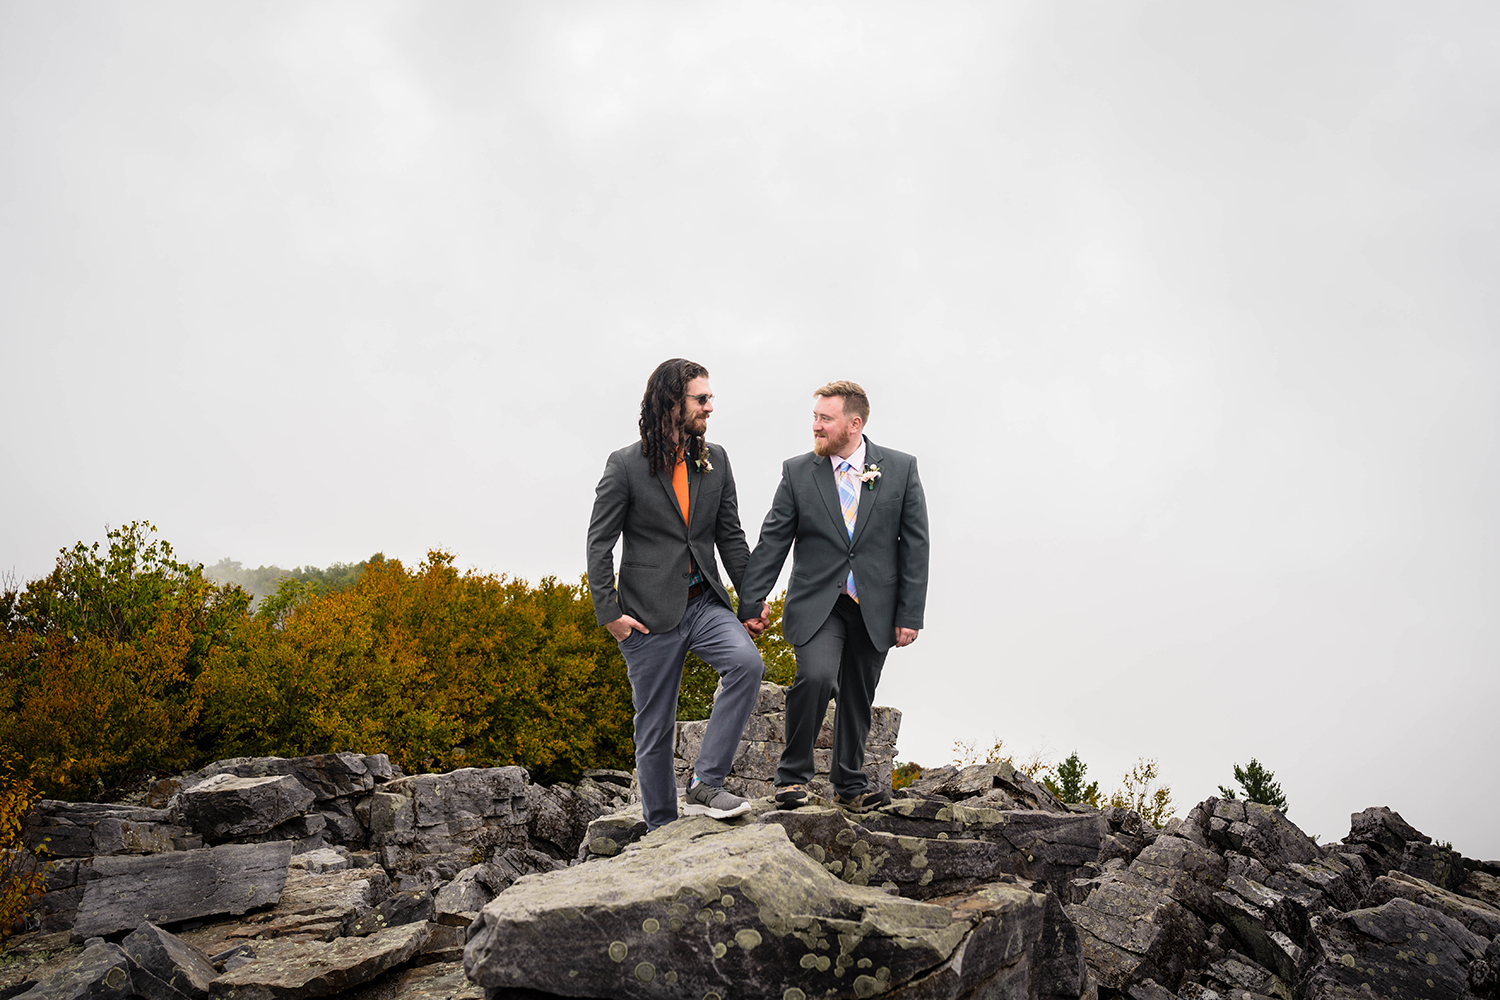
(684, 576)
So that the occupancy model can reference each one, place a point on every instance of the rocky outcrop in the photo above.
(701, 908)
(465, 815)
(315, 876)
(753, 772)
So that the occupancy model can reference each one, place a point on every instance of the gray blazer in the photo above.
(653, 580)
(888, 552)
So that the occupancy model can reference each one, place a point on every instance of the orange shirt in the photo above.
(680, 484)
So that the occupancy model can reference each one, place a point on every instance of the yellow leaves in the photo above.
(1140, 792)
(22, 873)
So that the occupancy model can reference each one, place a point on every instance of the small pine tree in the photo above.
(1259, 785)
(1069, 786)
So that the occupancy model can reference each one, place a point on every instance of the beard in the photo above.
(830, 444)
(695, 426)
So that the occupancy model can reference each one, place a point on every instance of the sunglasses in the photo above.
(701, 399)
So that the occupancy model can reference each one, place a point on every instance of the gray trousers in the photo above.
(654, 661)
(838, 658)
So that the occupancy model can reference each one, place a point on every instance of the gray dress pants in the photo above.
(839, 657)
(654, 662)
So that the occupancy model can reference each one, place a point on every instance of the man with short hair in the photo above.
(672, 496)
(858, 517)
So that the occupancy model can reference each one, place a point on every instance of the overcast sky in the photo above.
(1189, 312)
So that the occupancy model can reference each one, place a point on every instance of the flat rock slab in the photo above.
(86, 829)
(290, 970)
(182, 885)
(699, 908)
(438, 981)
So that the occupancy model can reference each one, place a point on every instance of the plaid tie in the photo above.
(849, 501)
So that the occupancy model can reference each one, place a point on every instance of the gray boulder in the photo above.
(460, 901)
(1483, 887)
(702, 908)
(164, 888)
(410, 907)
(226, 806)
(1383, 830)
(1052, 847)
(999, 785)
(320, 906)
(1255, 830)
(100, 972)
(465, 814)
(916, 867)
(1272, 927)
(87, 829)
(1482, 919)
(441, 981)
(329, 776)
(560, 814)
(165, 967)
(289, 970)
(1134, 930)
(1396, 949)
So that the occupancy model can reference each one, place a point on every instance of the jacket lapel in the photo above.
(867, 492)
(665, 478)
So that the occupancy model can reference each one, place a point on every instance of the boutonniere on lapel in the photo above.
(868, 477)
(701, 463)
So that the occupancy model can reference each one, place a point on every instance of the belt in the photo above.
(696, 590)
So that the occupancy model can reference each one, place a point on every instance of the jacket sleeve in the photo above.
(777, 533)
(611, 502)
(729, 534)
(911, 555)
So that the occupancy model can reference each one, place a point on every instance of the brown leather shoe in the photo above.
(865, 801)
(791, 796)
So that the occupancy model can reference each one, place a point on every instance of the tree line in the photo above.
(124, 660)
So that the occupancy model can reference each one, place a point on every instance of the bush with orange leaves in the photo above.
(98, 661)
(22, 872)
(436, 668)
(125, 661)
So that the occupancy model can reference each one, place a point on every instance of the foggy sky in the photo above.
(1188, 311)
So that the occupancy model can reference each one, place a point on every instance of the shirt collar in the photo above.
(857, 460)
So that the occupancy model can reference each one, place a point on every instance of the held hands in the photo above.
(905, 636)
(622, 626)
(755, 626)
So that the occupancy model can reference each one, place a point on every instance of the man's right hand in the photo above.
(622, 626)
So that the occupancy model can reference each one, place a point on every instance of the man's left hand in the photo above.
(905, 636)
(755, 626)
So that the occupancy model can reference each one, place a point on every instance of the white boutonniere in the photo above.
(868, 477)
(702, 463)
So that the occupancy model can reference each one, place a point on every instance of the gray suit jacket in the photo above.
(888, 552)
(653, 580)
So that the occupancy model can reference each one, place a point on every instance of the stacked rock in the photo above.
(753, 773)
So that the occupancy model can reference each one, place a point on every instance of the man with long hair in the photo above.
(671, 495)
(858, 517)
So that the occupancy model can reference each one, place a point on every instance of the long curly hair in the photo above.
(662, 408)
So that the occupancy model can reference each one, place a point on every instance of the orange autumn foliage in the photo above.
(126, 662)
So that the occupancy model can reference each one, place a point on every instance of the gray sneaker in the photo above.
(716, 801)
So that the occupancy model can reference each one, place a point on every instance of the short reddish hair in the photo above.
(853, 396)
